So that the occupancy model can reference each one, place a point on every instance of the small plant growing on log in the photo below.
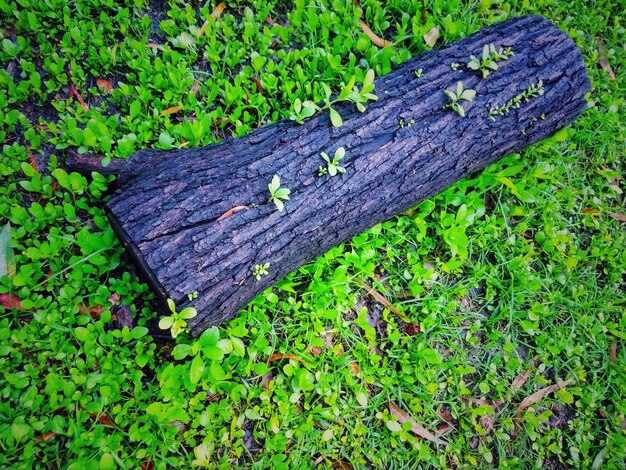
(260, 270)
(177, 321)
(278, 194)
(332, 166)
(350, 93)
(535, 89)
(488, 62)
(459, 94)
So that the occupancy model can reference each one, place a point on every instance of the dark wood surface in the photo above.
(167, 205)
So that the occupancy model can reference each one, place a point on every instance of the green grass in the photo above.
(520, 270)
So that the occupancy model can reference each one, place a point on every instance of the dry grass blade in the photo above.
(617, 216)
(382, 300)
(613, 352)
(604, 61)
(417, 429)
(215, 15)
(230, 212)
(375, 39)
(280, 356)
(520, 380)
(171, 110)
(541, 394)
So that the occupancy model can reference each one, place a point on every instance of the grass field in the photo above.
(514, 282)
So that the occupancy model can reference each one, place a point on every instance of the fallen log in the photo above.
(200, 219)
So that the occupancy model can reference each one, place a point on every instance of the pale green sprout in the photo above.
(332, 166)
(177, 322)
(260, 270)
(278, 194)
(459, 94)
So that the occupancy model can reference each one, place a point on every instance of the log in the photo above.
(173, 209)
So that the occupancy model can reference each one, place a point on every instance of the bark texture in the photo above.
(168, 205)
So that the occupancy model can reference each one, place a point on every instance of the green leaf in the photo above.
(282, 193)
(340, 153)
(197, 369)
(166, 323)
(81, 333)
(7, 258)
(335, 117)
(139, 332)
(188, 313)
(274, 184)
(393, 426)
(459, 89)
(468, 95)
(107, 462)
(279, 205)
(171, 305)
(181, 351)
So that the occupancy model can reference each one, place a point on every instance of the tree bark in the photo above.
(168, 206)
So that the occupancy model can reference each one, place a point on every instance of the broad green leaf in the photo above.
(393, 426)
(335, 117)
(107, 462)
(166, 323)
(188, 313)
(274, 184)
(468, 95)
(197, 369)
(339, 154)
(279, 204)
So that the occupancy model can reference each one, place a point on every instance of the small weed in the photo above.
(533, 90)
(350, 93)
(278, 194)
(177, 321)
(488, 62)
(332, 166)
(260, 270)
(459, 94)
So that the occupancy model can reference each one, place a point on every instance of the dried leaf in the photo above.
(10, 301)
(280, 356)
(613, 352)
(267, 379)
(215, 15)
(122, 317)
(258, 84)
(487, 421)
(31, 158)
(230, 212)
(7, 258)
(430, 38)
(94, 311)
(616, 216)
(382, 300)
(592, 211)
(604, 61)
(520, 380)
(171, 110)
(154, 45)
(103, 419)
(417, 429)
(316, 351)
(541, 394)
(355, 369)
(106, 85)
(45, 436)
(375, 39)
(75, 94)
